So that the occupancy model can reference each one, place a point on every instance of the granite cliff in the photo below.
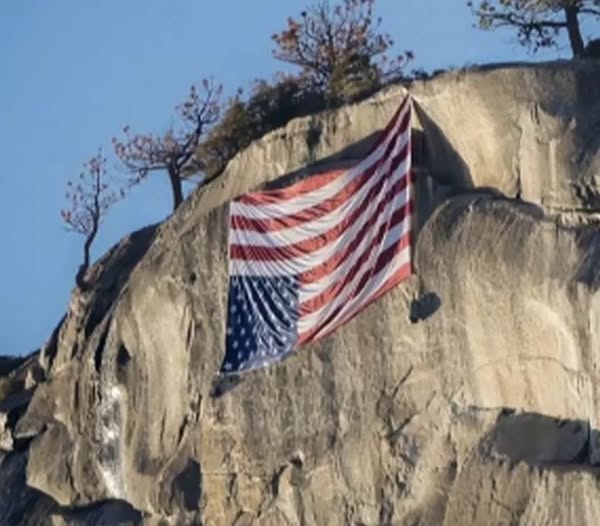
(467, 395)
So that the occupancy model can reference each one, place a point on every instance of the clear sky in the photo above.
(74, 71)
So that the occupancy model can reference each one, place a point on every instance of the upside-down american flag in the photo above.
(305, 259)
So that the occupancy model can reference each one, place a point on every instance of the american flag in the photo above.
(305, 259)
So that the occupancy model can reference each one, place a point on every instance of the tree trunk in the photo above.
(574, 31)
(80, 277)
(176, 188)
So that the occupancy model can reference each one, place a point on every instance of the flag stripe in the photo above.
(298, 265)
(303, 193)
(325, 280)
(398, 275)
(275, 197)
(337, 312)
(403, 109)
(283, 238)
(325, 205)
(339, 288)
(245, 246)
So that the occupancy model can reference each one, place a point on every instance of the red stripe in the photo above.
(403, 273)
(316, 302)
(311, 183)
(320, 209)
(252, 252)
(384, 259)
(315, 181)
(327, 267)
(389, 127)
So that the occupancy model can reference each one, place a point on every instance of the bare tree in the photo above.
(90, 196)
(172, 152)
(538, 22)
(326, 39)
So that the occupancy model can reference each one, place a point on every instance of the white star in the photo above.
(228, 366)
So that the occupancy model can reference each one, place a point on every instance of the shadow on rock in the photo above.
(114, 512)
(223, 384)
(545, 441)
(108, 276)
(22, 504)
(588, 271)
(424, 307)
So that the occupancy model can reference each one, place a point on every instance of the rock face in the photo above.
(467, 395)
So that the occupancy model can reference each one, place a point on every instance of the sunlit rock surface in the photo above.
(467, 395)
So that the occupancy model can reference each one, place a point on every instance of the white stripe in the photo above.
(391, 237)
(297, 204)
(311, 290)
(298, 264)
(311, 229)
(308, 323)
(239, 267)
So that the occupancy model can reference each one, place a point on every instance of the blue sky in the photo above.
(74, 71)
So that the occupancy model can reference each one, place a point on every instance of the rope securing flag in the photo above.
(305, 259)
